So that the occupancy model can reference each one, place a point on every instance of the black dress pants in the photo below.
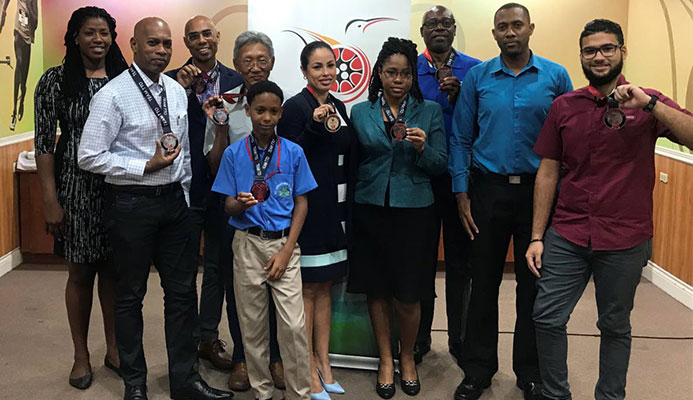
(146, 229)
(501, 210)
(456, 245)
(211, 221)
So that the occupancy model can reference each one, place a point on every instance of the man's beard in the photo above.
(602, 80)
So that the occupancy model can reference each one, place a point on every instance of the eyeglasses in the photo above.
(608, 50)
(251, 62)
(392, 74)
(434, 22)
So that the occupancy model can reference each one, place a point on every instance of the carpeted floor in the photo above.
(36, 350)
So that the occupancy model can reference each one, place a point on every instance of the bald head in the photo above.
(202, 39)
(152, 46)
(438, 29)
(439, 10)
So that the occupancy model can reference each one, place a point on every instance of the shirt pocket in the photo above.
(282, 190)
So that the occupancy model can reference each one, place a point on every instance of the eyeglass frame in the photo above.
(393, 74)
(259, 62)
(438, 21)
(600, 49)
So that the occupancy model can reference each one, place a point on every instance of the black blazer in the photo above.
(322, 232)
(202, 179)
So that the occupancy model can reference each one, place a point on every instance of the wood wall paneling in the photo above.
(9, 200)
(673, 215)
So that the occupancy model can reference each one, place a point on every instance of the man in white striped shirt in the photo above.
(137, 136)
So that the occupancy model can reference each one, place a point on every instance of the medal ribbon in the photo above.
(161, 112)
(448, 62)
(261, 166)
(388, 113)
(327, 101)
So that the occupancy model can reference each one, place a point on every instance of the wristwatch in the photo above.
(651, 104)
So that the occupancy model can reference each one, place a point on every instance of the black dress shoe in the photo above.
(138, 392)
(420, 350)
(531, 390)
(471, 389)
(199, 390)
(412, 388)
(82, 383)
(385, 390)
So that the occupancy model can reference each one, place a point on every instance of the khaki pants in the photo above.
(250, 254)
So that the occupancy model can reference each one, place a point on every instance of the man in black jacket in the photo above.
(203, 76)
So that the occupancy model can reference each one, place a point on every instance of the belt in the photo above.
(143, 190)
(257, 231)
(517, 179)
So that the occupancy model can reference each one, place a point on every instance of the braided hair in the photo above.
(74, 74)
(393, 46)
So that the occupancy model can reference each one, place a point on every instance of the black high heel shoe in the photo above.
(385, 390)
(412, 388)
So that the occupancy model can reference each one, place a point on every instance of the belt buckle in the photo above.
(514, 179)
(263, 235)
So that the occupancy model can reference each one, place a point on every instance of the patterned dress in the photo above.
(80, 193)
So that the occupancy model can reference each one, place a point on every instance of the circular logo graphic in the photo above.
(353, 72)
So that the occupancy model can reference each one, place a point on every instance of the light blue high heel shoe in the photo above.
(320, 396)
(335, 387)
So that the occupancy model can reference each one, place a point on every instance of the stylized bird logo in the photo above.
(353, 66)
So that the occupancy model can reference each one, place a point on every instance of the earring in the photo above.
(304, 77)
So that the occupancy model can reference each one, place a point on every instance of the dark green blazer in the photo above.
(383, 162)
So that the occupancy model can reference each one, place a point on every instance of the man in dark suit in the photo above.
(203, 76)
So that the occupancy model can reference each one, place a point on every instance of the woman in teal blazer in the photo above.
(401, 147)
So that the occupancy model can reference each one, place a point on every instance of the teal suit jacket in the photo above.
(383, 162)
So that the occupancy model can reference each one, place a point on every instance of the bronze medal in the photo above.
(332, 123)
(220, 115)
(260, 190)
(399, 131)
(169, 142)
(443, 72)
(614, 118)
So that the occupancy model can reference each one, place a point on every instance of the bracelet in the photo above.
(536, 240)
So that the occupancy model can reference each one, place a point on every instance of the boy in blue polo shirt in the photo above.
(266, 179)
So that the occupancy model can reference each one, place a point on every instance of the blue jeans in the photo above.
(566, 270)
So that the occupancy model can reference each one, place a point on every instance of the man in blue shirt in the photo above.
(265, 179)
(438, 59)
(500, 111)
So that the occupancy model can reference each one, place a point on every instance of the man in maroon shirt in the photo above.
(603, 138)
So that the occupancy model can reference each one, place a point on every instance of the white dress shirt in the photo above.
(120, 134)
(239, 126)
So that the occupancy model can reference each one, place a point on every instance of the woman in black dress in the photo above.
(318, 121)
(73, 201)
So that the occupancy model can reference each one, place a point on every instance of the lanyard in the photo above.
(261, 166)
(610, 99)
(327, 101)
(388, 113)
(448, 62)
(161, 112)
(233, 98)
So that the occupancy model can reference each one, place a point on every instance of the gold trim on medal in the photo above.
(332, 123)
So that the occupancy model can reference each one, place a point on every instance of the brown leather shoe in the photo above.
(238, 380)
(213, 351)
(277, 371)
